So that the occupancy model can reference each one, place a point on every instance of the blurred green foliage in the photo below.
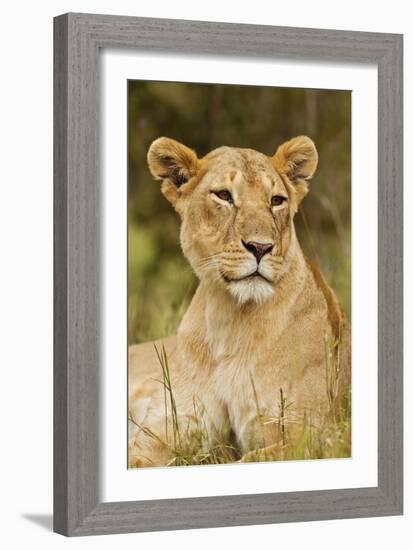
(203, 116)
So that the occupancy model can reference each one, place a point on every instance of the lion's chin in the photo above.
(251, 289)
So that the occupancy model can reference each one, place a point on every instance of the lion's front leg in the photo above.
(264, 454)
(261, 439)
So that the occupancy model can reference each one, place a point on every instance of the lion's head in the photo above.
(237, 208)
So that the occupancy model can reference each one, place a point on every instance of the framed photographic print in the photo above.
(228, 274)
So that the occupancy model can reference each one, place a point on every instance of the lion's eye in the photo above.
(224, 195)
(276, 200)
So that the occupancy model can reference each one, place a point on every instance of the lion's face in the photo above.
(237, 208)
(237, 223)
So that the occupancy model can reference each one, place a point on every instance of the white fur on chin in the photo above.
(251, 289)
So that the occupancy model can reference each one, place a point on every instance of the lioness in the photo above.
(254, 342)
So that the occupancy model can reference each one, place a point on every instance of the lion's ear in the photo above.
(297, 159)
(172, 162)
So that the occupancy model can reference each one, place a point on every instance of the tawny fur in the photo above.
(242, 336)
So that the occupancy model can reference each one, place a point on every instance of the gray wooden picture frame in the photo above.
(78, 38)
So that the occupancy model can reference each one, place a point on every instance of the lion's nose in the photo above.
(258, 249)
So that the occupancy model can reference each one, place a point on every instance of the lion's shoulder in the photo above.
(335, 313)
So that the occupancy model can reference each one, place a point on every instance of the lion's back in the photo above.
(143, 361)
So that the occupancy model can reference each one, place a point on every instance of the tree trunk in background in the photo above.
(215, 116)
(311, 109)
